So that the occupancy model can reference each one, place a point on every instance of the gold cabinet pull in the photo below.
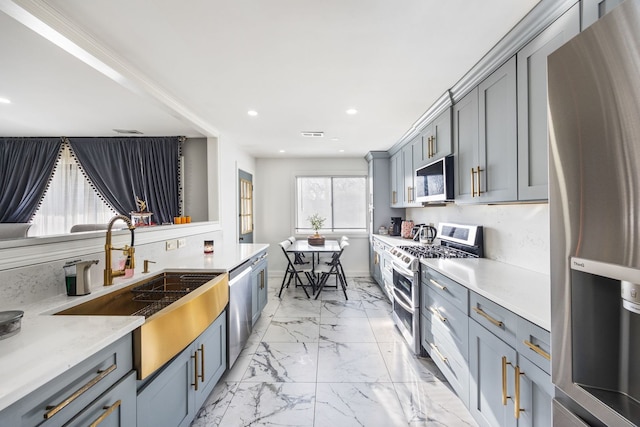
(516, 402)
(262, 279)
(201, 350)
(478, 170)
(195, 370)
(106, 413)
(437, 313)
(438, 285)
(473, 183)
(444, 359)
(481, 312)
(394, 198)
(433, 146)
(52, 410)
(537, 349)
(504, 380)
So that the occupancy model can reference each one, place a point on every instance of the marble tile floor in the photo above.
(330, 362)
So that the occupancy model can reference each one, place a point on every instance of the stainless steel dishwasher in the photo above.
(240, 322)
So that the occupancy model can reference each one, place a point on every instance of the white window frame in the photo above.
(331, 231)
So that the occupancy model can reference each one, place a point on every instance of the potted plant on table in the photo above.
(316, 223)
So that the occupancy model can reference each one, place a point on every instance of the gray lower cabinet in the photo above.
(115, 408)
(173, 396)
(259, 286)
(533, 129)
(592, 10)
(73, 393)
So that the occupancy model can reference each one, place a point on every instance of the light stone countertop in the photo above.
(48, 345)
(525, 292)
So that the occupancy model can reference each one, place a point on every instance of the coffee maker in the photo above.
(396, 226)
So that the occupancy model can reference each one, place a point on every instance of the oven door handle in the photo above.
(406, 273)
(402, 301)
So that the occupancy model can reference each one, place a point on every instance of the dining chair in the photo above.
(299, 256)
(294, 270)
(334, 268)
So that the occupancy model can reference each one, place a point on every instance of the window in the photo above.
(246, 206)
(342, 200)
(69, 200)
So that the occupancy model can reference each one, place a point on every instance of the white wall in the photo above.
(515, 234)
(274, 185)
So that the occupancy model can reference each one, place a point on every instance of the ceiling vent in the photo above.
(310, 134)
(128, 131)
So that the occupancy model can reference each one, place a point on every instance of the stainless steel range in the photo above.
(456, 241)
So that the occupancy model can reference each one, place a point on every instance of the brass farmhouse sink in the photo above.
(178, 307)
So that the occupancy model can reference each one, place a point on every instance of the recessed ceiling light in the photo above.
(252, 113)
(281, 151)
(352, 111)
(4, 101)
(335, 139)
(128, 131)
(312, 134)
(341, 151)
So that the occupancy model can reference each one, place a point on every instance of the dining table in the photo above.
(303, 246)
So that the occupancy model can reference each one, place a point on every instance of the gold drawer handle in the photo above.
(52, 410)
(202, 362)
(107, 412)
(438, 285)
(437, 313)
(444, 359)
(498, 323)
(537, 349)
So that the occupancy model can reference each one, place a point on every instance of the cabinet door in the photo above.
(592, 10)
(533, 130)
(441, 143)
(497, 179)
(491, 363)
(167, 400)
(397, 180)
(263, 287)
(212, 358)
(536, 395)
(425, 153)
(408, 196)
(465, 136)
(116, 407)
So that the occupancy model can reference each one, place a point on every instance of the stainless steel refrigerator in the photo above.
(594, 198)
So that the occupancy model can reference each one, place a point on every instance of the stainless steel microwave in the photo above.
(434, 182)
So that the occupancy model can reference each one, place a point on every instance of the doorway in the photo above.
(245, 207)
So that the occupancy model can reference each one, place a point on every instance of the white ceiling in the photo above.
(196, 67)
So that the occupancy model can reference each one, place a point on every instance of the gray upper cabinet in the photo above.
(485, 137)
(497, 176)
(465, 136)
(397, 180)
(436, 139)
(409, 152)
(592, 10)
(532, 105)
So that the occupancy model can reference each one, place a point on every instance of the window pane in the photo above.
(349, 202)
(314, 196)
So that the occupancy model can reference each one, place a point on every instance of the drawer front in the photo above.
(448, 359)
(452, 291)
(451, 321)
(534, 343)
(497, 319)
(116, 407)
(71, 392)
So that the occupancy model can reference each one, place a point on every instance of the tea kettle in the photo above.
(427, 234)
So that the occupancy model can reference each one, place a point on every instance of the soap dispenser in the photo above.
(78, 279)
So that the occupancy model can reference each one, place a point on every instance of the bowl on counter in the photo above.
(10, 322)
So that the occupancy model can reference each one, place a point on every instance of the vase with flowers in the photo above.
(316, 223)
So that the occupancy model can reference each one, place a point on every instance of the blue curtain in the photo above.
(122, 169)
(26, 166)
